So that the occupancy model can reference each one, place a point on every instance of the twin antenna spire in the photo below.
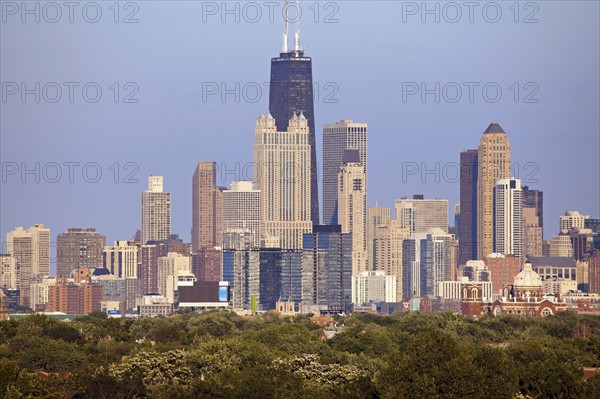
(285, 30)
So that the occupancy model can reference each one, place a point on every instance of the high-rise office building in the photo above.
(508, 218)
(282, 175)
(121, 259)
(241, 209)
(337, 138)
(572, 220)
(170, 265)
(436, 261)
(532, 233)
(377, 216)
(207, 212)
(237, 245)
(291, 93)
(155, 211)
(388, 252)
(78, 248)
(352, 207)
(421, 215)
(534, 199)
(493, 159)
(468, 206)
(327, 269)
(411, 268)
(31, 252)
(148, 260)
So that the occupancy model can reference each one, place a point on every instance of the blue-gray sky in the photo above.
(360, 65)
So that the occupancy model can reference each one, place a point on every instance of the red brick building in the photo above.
(502, 270)
(72, 298)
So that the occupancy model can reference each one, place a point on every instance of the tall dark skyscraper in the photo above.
(468, 206)
(291, 91)
(534, 199)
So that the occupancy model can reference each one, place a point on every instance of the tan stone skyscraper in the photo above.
(493, 165)
(388, 251)
(207, 211)
(282, 174)
(155, 211)
(352, 207)
(377, 216)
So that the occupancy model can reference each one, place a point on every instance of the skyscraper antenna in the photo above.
(297, 34)
(285, 29)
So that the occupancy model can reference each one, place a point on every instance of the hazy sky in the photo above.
(368, 59)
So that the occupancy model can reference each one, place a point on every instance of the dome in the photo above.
(528, 278)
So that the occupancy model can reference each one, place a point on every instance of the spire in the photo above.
(285, 29)
(494, 128)
(297, 34)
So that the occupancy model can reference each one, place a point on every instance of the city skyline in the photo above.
(21, 205)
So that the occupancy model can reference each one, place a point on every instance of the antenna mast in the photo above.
(297, 34)
(285, 29)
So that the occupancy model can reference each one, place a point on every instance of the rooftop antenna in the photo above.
(297, 34)
(285, 29)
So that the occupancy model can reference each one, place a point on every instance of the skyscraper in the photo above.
(337, 138)
(420, 215)
(8, 272)
(352, 207)
(78, 248)
(241, 209)
(207, 217)
(493, 164)
(436, 261)
(31, 252)
(281, 173)
(377, 216)
(572, 220)
(508, 218)
(388, 252)
(534, 199)
(121, 259)
(155, 211)
(468, 206)
(291, 93)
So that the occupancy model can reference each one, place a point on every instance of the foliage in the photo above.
(220, 354)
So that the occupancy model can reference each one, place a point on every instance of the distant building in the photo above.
(73, 298)
(508, 218)
(420, 215)
(207, 211)
(154, 305)
(169, 266)
(241, 209)
(78, 248)
(468, 206)
(377, 216)
(561, 246)
(436, 261)
(502, 270)
(493, 164)
(534, 199)
(30, 250)
(570, 220)
(337, 138)
(39, 289)
(388, 252)
(155, 211)
(121, 259)
(206, 264)
(373, 286)
(533, 233)
(352, 207)
(204, 295)
(8, 271)
(327, 269)
(594, 270)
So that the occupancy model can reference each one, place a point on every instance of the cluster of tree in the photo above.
(222, 355)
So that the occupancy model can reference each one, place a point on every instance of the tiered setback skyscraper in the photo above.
(468, 206)
(155, 211)
(78, 248)
(31, 252)
(337, 138)
(508, 218)
(493, 165)
(241, 210)
(291, 93)
(352, 207)
(282, 174)
(207, 212)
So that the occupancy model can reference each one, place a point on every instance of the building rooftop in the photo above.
(494, 128)
(555, 261)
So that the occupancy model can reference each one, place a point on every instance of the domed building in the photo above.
(526, 297)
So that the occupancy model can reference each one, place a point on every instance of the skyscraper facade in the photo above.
(436, 261)
(31, 252)
(508, 218)
(352, 207)
(337, 138)
(291, 93)
(207, 217)
(420, 215)
(534, 199)
(241, 209)
(468, 206)
(121, 259)
(8, 272)
(377, 216)
(571, 220)
(493, 164)
(155, 211)
(388, 252)
(282, 175)
(78, 248)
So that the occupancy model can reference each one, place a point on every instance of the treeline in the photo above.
(222, 355)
